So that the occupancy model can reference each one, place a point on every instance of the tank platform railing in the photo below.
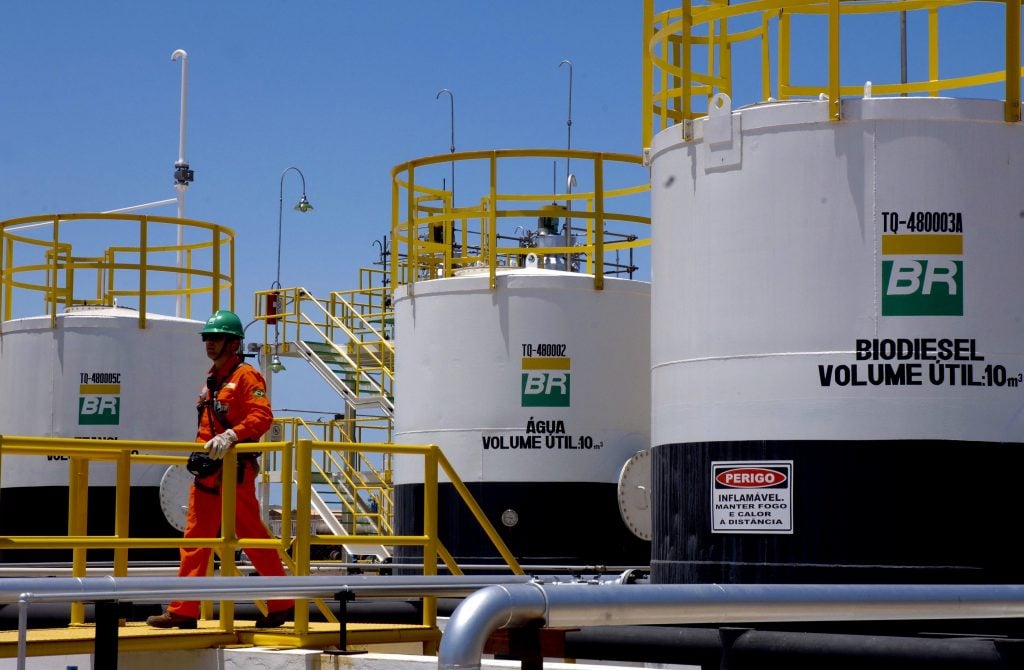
(434, 235)
(294, 548)
(148, 263)
(692, 50)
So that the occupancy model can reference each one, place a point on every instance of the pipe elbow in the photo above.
(482, 613)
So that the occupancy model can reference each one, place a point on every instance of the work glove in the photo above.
(218, 445)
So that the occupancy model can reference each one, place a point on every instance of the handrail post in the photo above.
(1012, 113)
(492, 221)
(599, 222)
(834, 83)
(143, 269)
(122, 505)
(430, 508)
(78, 511)
(229, 535)
(303, 523)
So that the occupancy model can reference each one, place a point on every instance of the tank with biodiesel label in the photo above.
(836, 337)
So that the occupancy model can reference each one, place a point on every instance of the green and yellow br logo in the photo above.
(99, 404)
(922, 275)
(545, 381)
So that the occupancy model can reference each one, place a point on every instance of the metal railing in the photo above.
(293, 318)
(294, 549)
(433, 236)
(692, 50)
(58, 257)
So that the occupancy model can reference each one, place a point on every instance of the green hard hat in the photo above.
(225, 322)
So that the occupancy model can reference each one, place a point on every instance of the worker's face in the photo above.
(216, 345)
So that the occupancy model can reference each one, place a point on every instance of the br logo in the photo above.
(545, 382)
(922, 275)
(99, 409)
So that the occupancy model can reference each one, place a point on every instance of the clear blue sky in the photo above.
(342, 89)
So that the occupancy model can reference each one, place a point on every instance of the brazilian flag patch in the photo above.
(259, 393)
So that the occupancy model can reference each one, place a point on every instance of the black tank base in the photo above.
(896, 511)
(542, 524)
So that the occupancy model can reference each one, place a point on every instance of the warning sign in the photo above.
(752, 497)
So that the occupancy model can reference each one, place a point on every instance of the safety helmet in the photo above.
(225, 322)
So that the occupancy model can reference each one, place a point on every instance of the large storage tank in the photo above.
(537, 392)
(837, 335)
(99, 358)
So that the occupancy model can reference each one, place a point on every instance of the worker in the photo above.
(233, 408)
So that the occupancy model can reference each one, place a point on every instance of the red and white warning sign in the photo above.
(752, 497)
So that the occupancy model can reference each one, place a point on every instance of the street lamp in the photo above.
(303, 206)
(451, 97)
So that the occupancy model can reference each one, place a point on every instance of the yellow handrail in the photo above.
(39, 259)
(432, 237)
(684, 44)
(125, 453)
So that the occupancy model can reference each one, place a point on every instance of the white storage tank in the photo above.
(537, 392)
(96, 374)
(837, 335)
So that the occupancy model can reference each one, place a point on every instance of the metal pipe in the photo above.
(155, 589)
(183, 56)
(158, 589)
(736, 648)
(145, 205)
(572, 605)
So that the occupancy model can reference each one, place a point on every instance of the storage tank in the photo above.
(537, 393)
(97, 375)
(99, 357)
(837, 333)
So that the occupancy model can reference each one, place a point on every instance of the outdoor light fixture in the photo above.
(303, 206)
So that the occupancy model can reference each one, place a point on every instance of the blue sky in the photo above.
(342, 89)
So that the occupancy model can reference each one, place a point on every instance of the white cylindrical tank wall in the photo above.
(96, 374)
(837, 303)
(537, 392)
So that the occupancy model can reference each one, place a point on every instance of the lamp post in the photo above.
(182, 173)
(451, 97)
(303, 206)
(568, 122)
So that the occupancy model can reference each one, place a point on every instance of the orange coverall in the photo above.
(243, 392)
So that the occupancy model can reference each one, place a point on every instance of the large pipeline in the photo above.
(575, 605)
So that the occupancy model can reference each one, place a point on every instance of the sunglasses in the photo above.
(214, 337)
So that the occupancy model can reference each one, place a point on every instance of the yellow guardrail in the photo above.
(296, 458)
(58, 257)
(691, 51)
(434, 236)
(341, 324)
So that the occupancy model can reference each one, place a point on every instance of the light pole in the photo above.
(568, 122)
(182, 174)
(451, 97)
(302, 206)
